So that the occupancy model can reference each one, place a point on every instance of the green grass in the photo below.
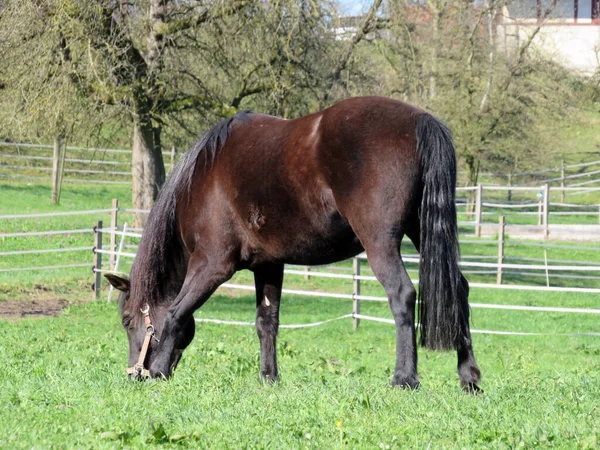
(63, 386)
(581, 136)
(579, 143)
(33, 198)
(26, 198)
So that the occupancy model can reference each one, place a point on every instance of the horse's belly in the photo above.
(305, 243)
(322, 251)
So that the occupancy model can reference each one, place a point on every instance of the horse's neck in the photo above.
(176, 274)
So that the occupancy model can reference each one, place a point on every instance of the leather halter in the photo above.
(138, 369)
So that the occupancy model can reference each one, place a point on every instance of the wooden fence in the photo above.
(535, 215)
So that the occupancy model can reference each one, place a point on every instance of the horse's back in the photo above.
(295, 190)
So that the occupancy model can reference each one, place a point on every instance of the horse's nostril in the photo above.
(137, 377)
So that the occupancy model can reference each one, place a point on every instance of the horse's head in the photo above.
(144, 326)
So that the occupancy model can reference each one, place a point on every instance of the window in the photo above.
(570, 11)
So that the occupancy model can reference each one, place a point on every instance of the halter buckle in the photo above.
(138, 371)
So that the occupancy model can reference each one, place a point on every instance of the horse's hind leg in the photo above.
(468, 372)
(268, 280)
(389, 269)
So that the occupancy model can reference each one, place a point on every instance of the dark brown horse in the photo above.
(259, 191)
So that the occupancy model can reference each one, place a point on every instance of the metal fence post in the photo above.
(562, 181)
(97, 259)
(540, 214)
(356, 291)
(173, 157)
(114, 224)
(58, 161)
(116, 267)
(478, 210)
(546, 210)
(501, 229)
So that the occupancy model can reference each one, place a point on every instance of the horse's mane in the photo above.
(160, 244)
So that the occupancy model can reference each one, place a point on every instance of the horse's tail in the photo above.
(440, 311)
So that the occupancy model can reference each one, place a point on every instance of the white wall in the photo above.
(575, 46)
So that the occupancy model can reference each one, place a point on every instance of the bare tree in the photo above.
(107, 56)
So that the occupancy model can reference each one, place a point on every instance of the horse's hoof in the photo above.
(406, 382)
(268, 379)
(471, 388)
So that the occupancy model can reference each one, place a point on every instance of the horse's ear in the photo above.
(122, 284)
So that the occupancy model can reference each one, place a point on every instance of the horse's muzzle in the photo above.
(138, 371)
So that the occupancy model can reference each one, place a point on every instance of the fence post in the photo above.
(501, 229)
(356, 290)
(58, 156)
(509, 196)
(307, 270)
(97, 259)
(114, 224)
(540, 214)
(478, 210)
(546, 210)
(173, 155)
(562, 181)
(116, 267)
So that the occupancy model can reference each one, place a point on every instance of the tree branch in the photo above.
(366, 27)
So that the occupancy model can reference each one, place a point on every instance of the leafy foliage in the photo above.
(172, 69)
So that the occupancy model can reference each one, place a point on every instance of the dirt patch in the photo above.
(40, 307)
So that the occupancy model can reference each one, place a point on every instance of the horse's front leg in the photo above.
(201, 280)
(268, 279)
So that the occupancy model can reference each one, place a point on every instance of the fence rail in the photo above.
(356, 278)
(482, 202)
(563, 176)
(501, 266)
(26, 161)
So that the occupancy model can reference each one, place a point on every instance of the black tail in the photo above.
(440, 312)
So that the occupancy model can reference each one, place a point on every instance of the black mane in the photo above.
(160, 242)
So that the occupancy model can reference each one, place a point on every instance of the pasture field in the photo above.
(63, 382)
(63, 385)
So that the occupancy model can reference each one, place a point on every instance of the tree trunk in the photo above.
(437, 11)
(148, 168)
(491, 15)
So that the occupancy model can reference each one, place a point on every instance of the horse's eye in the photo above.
(126, 321)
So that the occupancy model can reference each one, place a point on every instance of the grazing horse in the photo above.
(257, 192)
